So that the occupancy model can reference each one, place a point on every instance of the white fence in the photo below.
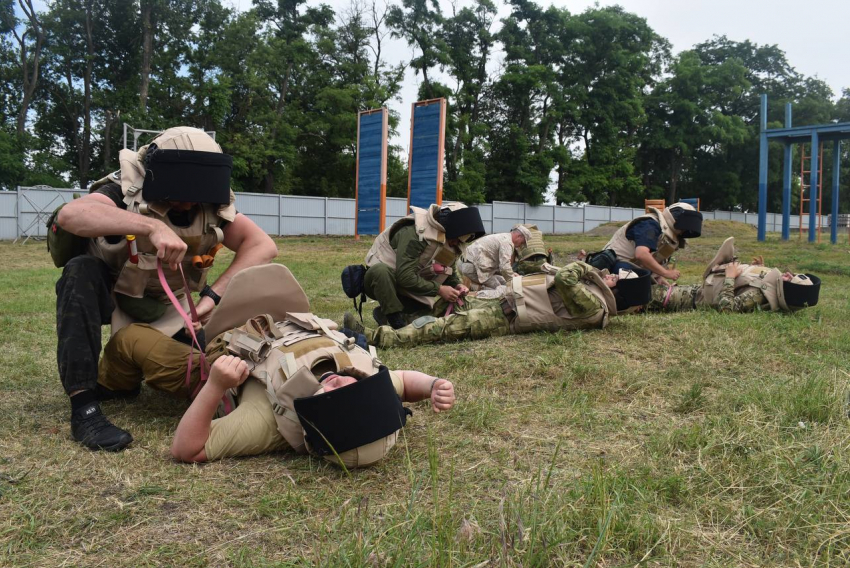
(23, 214)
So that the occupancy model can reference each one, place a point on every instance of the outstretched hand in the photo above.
(442, 395)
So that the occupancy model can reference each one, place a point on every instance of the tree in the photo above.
(30, 42)
(685, 117)
(614, 58)
(419, 22)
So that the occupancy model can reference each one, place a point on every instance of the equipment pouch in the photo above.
(62, 245)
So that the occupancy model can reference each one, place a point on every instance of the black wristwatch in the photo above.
(209, 293)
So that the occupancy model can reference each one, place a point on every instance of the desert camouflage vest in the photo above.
(765, 279)
(534, 247)
(284, 356)
(437, 251)
(141, 280)
(668, 241)
(538, 306)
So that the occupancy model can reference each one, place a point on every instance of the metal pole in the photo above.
(786, 181)
(836, 173)
(763, 169)
(814, 195)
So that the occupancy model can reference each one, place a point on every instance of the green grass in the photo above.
(692, 439)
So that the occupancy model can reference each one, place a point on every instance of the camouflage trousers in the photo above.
(83, 305)
(681, 299)
(477, 319)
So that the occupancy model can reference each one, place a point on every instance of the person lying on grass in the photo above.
(576, 296)
(255, 426)
(732, 287)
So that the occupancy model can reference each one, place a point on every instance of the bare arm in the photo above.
(95, 215)
(252, 247)
(645, 258)
(419, 386)
(194, 428)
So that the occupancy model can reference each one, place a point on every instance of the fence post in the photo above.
(584, 219)
(326, 216)
(17, 212)
(279, 214)
(554, 218)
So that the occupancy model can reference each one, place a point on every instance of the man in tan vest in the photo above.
(412, 264)
(729, 286)
(650, 240)
(276, 362)
(173, 196)
(576, 297)
(487, 261)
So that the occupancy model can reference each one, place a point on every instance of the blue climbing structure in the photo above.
(370, 190)
(425, 161)
(789, 136)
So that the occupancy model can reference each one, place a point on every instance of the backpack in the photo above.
(352, 285)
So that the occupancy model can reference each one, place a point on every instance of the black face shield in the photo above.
(687, 223)
(634, 291)
(187, 176)
(462, 222)
(351, 416)
(802, 295)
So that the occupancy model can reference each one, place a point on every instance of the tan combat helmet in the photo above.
(356, 425)
(460, 222)
(686, 220)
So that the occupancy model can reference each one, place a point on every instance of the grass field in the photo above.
(693, 439)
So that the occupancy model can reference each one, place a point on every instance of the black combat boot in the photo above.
(94, 430)
(396, 320)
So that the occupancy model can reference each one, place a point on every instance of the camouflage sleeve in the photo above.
(578, 300)
(530, 266)
(747, 301)
(408, 250)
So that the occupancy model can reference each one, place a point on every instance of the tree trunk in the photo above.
(85, 152)
(147, 52)
(674, 179)
(109, 120)
(30, 77)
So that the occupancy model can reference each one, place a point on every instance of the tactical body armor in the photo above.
(668, 242)
(538, 306)
(287, 357)
(436, 253)
(141, 280)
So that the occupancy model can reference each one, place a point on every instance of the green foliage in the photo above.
(591, 107)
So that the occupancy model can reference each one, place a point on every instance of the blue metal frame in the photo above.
(799, 135)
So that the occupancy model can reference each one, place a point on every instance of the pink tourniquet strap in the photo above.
(189, 326)
(667, 297)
